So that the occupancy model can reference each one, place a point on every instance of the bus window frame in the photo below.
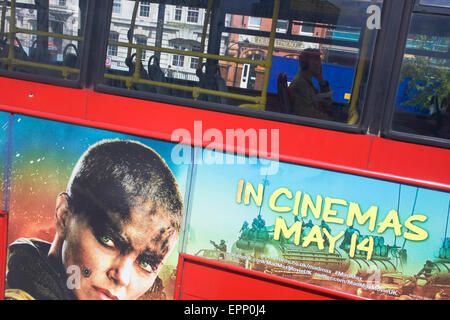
(80, 83)
(360, 128)
(382, 67)
(411, 7)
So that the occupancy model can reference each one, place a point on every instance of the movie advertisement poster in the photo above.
(353, 234)
(94, 214)
(5, 123)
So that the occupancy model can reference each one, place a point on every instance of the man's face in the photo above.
(124, 258)
(315, 65)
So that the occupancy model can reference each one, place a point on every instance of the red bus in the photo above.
(309, 141)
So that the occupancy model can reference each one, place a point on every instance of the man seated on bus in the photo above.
(116, 224)
(305, 98)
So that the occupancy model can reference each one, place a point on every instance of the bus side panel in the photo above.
(188, 297)
(215, 281)
(311, 146)
(32, 96)
(3, 239)
(402, 159)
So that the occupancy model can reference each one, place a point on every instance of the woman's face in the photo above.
(123, 258)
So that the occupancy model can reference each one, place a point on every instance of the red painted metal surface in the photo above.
(179, 276)
(159, 120)
(428, 166)
(46, 99)
(188, 297)
(206, 279)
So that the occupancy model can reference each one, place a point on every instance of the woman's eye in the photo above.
(107, 241)
(146, 266)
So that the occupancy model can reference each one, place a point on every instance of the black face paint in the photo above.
(86, 272)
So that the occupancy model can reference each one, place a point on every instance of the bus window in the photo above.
(248, 54)
(423, 96)
(436, 3)
(42, 37)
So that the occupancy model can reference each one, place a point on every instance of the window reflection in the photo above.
(422, 105)
(235, 40)
(46, 39)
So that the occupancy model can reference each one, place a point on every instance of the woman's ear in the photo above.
(62, 213)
